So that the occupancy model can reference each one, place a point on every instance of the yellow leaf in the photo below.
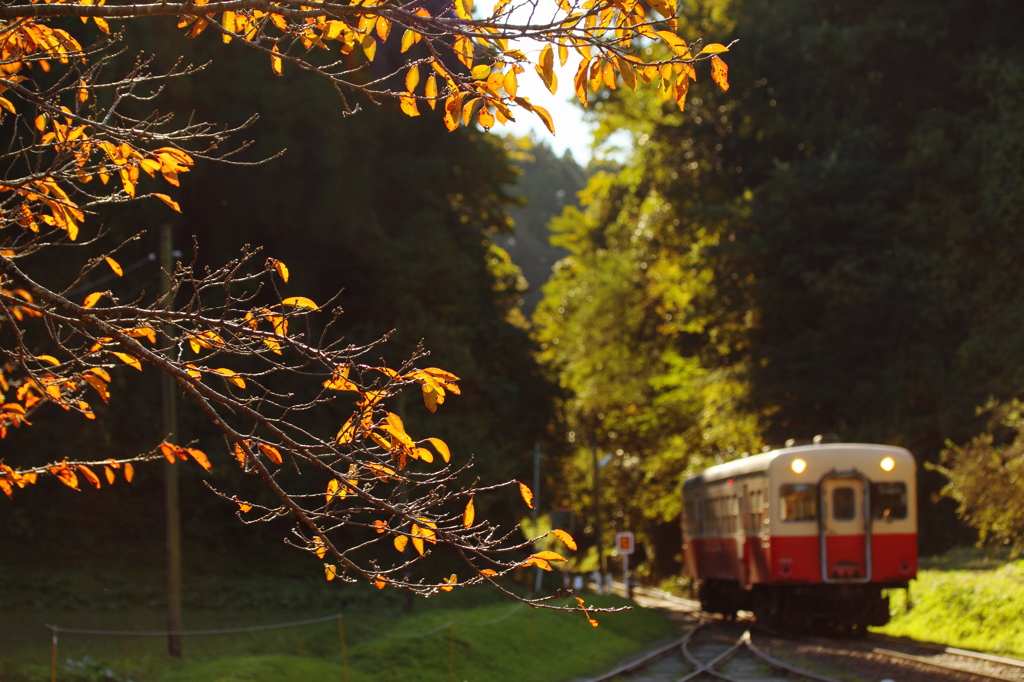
(300, 302)
(167, 200)
(714, 48)
(275, 61)
(469, 514)
(49, 359)
(430, 90)
(423, 454)
(330, 571)
(447, 583)
(400, 542)
(244, 507)
(565, 538)
(332, 489)
(92, 299)
(369, 46)
(417, 542)
(545, 118)
(546, 68)
(408, 105)
(527, 494)
(442, 448)
(6, 104)
(412, 78)
(231, 376)
(127, 359)
(114, 265)
(511, 83)
(720, 72)
(409, 38)
(539, 563)
(383, 28)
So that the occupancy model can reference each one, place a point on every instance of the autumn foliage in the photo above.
(230, 337)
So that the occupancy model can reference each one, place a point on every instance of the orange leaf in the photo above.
(167, 200)
(565, 538)
(449, 582)
(381, 526)
(272, 453)
(548, 556)
(488, 571)
(169, 452)
(128, 360)
(200, 457)
(275, 61)
(129, 472)
(49, 359)
(400, 542)
(720, 72)
(89, 475)
(92, 299)
(527, 494)
(539, 563)
(330, 571)
(66, 476)
(381, 584)
(442, 448)
(114, 265)
(300, 302)
(418, 544)
(332, 489)
(231, 376)
(280, 267)
(469, 514)
(109, 473)
(244, 507)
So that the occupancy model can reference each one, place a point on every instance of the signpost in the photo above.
(624, 542)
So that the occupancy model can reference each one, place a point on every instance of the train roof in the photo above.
(761, 462)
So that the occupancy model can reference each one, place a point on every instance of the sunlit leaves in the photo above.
(167, 200)
(400, 542)
(92, 299)
(127, 359)
(527, 494)
(300, 302)
(330, 571)
(720, 72)
(442, 448)
(275, 61)
(583, 608)
(271, 453)
(114, 265)
(449, 583)
(546, 69)
(714, 48)
(468, 514)
(566, 539)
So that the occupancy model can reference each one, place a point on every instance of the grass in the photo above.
(528, 644)
(967, 599)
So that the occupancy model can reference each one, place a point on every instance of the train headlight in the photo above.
(887, 464)
(798, 466)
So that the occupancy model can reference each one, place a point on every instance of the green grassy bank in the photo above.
(967, 599)
(491, 642)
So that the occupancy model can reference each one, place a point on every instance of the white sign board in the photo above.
(624, 542)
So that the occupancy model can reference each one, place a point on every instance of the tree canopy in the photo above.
(825, 248)
(262, 361)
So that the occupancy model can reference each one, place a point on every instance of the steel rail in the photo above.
(1012, 662)
(647, 658)
(935, 664)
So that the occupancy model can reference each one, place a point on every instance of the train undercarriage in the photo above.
(847, 608)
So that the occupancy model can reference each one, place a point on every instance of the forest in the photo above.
(826, 247)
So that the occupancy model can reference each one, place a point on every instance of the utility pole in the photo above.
(536, 506)
(171, 496)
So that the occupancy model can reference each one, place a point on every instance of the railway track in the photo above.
(709, 652)
(713, 649)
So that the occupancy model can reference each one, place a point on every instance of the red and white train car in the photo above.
(805, 536)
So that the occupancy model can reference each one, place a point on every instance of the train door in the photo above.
(845, 528)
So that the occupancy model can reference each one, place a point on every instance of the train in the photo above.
(805, 537)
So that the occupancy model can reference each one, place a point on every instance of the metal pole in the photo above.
(597, 512)
(625, 575)
(536, 507)
(171, 495)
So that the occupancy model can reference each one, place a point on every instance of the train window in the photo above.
(888, 501)
(798, 502)
(844, 504)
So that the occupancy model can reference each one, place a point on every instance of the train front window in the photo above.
(888, 501)
(844, 504)
(798, 502)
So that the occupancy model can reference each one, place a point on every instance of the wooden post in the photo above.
(344, 651)
(171, 495)
(53, 654)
